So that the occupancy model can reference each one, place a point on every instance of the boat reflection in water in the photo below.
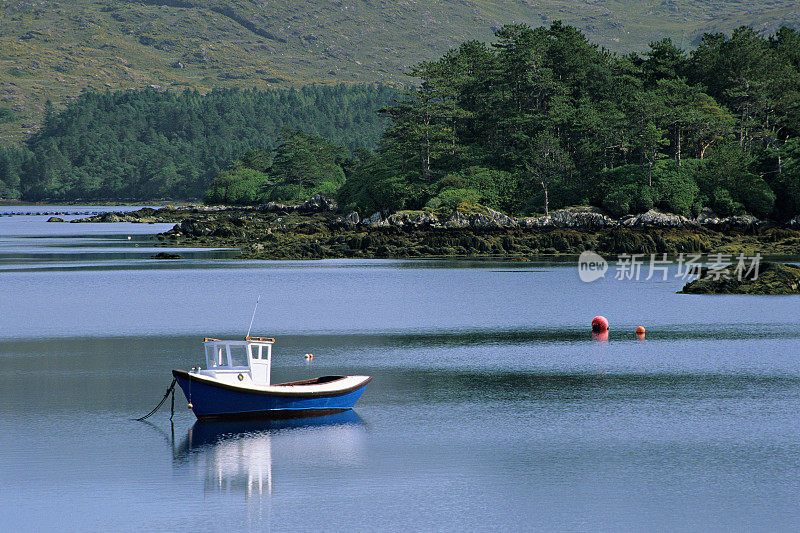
(239, 456)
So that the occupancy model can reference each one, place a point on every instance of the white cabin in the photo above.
(241, 363)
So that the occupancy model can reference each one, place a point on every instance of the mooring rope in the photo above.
(164, 399)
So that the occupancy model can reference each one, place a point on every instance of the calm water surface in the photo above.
(491, 407)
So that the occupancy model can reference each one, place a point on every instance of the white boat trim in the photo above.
(345, 382)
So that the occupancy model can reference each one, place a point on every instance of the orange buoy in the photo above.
(190, 406)
(640, 332)
(309, 356)
(599, 323)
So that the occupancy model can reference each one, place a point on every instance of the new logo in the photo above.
(591, 267)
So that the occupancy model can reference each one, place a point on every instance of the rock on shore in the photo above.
(584, 218)
(658, 219)
(769, 278)
(316, 204)
(166, 255)
(142, 216)
(707, 218)
(315, 230)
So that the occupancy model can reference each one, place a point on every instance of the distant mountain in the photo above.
(53, 49)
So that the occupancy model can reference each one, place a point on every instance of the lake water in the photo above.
(491, 407)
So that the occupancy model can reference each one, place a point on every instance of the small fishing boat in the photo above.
(236, 384)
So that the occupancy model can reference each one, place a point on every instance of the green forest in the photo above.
(539, 119)
(149, 144)
(300, 166)
(542, 118)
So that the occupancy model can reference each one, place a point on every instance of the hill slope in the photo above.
(53, 49)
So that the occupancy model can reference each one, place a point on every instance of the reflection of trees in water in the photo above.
(238, 456)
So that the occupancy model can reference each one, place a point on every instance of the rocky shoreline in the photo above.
(315, 230)
(769, 278)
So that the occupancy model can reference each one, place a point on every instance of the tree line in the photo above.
(542, 118)
(301, 166)
(539, 119)
(150, 144)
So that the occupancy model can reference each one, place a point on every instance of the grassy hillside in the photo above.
(54, 49)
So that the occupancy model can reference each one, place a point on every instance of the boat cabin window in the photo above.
(228, 355)
(234, 355)
(220, 356)
(256, 351)
(238, 355)
(216, 355)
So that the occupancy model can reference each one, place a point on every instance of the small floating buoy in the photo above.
(599, 323)
(640, 332)
(190, 406)
(309, 356)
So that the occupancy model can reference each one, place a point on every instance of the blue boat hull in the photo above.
(216, 401)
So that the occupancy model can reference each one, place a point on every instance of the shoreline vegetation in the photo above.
(317, 230)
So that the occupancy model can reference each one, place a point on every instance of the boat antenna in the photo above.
(253, 317)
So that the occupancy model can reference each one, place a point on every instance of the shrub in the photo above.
(645, 199)
(238, 186)
(494, 187)
(282, 193)
(730, 168)
(759, 200)
(723, 203)
(618, 201)
(326, 188)
(677, 191)
(453, 197)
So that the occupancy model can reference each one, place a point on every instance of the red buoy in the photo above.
(599, 323)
